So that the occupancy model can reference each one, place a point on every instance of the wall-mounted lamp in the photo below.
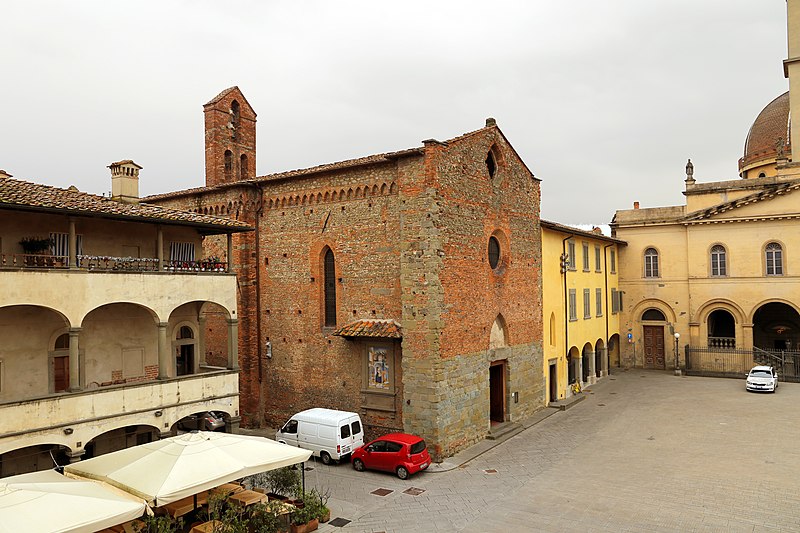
(158, 413)
(269, 350)
(68, 431)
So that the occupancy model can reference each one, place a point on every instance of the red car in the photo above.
(400, 453)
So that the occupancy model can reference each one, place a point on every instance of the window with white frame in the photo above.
(719, 261)
(598, 294)
(59, 244)
(651, 263)
(181, 251)
(597, 262)
(774, 259)
(587, 303)
(573, 305)
(585, 257)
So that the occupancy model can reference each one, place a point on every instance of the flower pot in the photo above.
(304, 528)
(326, 516)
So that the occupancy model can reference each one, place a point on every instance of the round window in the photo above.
(494, 252)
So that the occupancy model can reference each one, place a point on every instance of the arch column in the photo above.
(75, 456)
(164, 352)
(72, 257)
(604, 361)
(201, 340)
(233, 344)
(747, 336)
(74, 360)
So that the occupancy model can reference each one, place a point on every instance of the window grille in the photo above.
(181, 251)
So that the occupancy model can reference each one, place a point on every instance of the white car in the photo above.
(762, 378)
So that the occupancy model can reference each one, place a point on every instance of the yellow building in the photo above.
(581, 307)
(713, 285)
(102, 317)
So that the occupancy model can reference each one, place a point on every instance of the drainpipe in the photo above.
(605, 297)
(566, 301)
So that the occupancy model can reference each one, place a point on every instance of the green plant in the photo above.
(266, 518)
(228, 518)
(284, 481)
(159, 524)
(318, 499)
(35, 245)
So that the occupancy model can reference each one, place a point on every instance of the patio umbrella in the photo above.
(49, 502)
(170, 469)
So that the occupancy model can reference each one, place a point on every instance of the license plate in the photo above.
(424, 466)
(345, 449)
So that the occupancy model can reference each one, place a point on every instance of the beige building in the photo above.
(713, 285)
(102, 318)
(580, 306)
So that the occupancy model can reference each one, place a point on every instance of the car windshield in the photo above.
(760, 373)
(418, 447)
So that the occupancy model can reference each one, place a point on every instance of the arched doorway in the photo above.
(653, 322)
(573, 365)
(721, 329)
(598, 358)
(776, 326)
(498, 339)
(588, 354)
(184, 351)
(613, 352)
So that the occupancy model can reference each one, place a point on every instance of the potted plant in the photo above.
(320, 501)
(304, 519)
(283, 483)
(267, 518)
(35, 245)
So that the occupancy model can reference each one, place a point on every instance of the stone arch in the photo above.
(383, 188)
(327, 196)
(661, 305)
(752, 314)
(350, 193)
(393, 188)
(498, 336)
(573, 364)
(359, 192)
(375, 190)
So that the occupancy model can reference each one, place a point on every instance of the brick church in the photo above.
(404, 286)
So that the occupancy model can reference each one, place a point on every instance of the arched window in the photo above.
(651, 263)
(552, 329)
(721, 329)
(185, 333)
(653, 314)
(235, 119)
(719, 261)
(774, 259)
(330, 289)
(228, 162)
(243, 167)
(491, 164)
(494, 252)
(62, 342)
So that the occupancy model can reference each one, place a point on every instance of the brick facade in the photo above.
(409, 232)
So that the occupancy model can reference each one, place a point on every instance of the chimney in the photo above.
(125, 181)
(636, 205)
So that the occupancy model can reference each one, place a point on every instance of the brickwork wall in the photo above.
(221, 135)
(410, 238)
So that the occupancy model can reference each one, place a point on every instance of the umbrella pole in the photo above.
(195, 502)
(303, 470)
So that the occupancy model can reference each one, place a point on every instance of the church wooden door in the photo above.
(654, 347)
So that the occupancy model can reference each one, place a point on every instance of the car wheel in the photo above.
(326, 458)
(402, 473)
(358, 464)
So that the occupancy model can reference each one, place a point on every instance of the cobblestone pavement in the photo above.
(646, 451)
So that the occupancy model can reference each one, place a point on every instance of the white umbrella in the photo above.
(168, 470)
(49, 502)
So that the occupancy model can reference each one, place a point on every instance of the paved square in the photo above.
(646, 451)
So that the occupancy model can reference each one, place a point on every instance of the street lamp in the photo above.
(677, 369)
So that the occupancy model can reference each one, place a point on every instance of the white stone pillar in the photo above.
(164, 352)
(74, 360)
(233, 344)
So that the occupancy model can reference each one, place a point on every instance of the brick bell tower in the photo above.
(230, 138)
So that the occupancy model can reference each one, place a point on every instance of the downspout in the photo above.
(566, 300)
(605, 297)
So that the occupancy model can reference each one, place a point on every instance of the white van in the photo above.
(330, 434)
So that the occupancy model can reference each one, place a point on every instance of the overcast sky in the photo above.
(604, 100)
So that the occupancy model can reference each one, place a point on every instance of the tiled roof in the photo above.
(385, 329)
(328, 167)
(222, 95)
(576, 231)
(770, 125)
(23, 194)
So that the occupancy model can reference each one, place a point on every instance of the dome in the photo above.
(761, 146)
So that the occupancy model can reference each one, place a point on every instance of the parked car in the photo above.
(400, 453)
(207, 421)
(762, 378)
(332, 435)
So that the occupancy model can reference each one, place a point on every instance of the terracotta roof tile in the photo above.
(23, 194)
(384, 329)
